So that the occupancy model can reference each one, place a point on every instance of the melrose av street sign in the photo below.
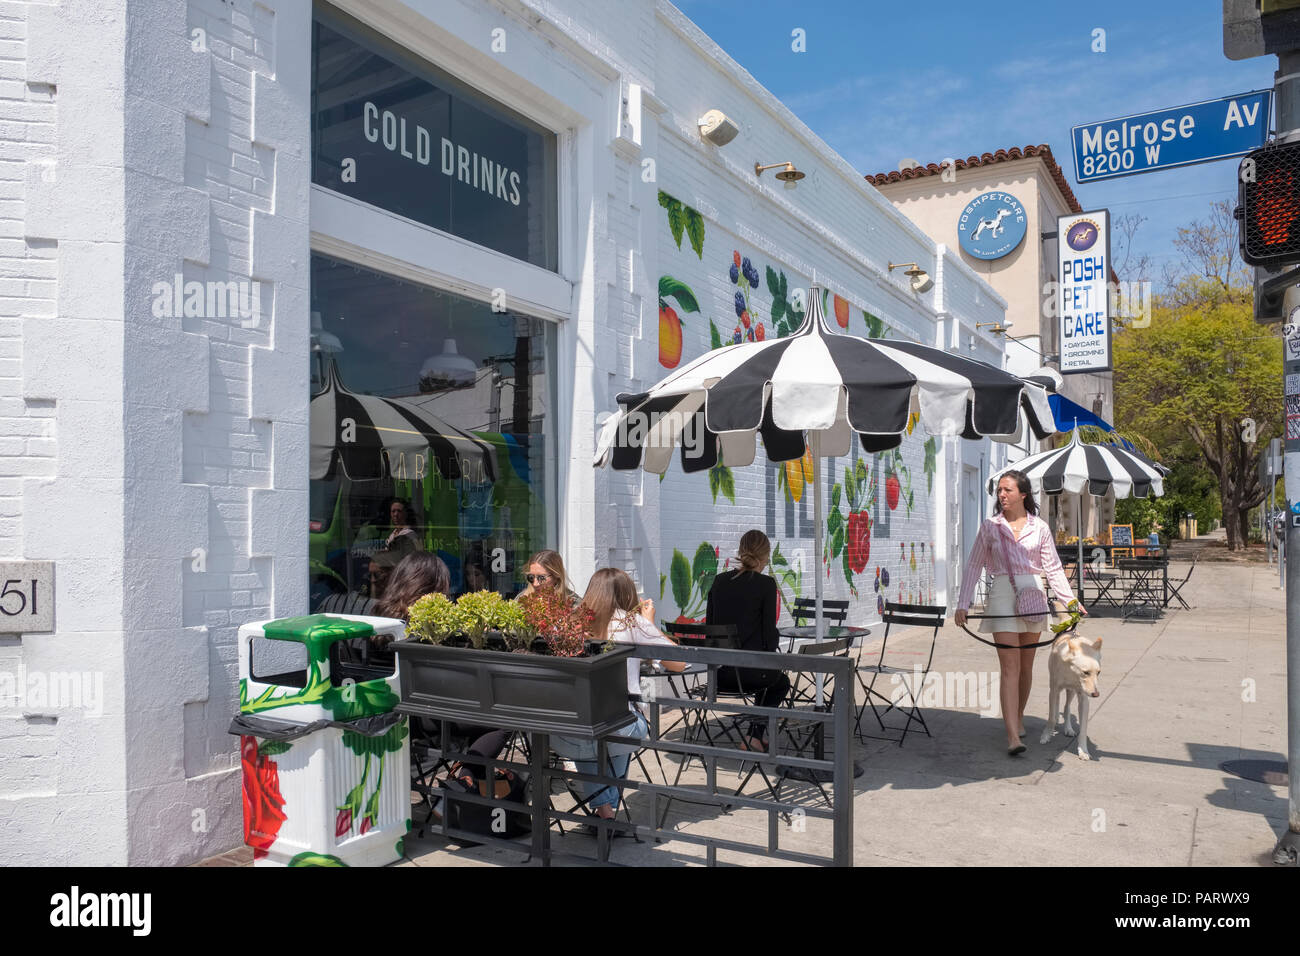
(1164, 139)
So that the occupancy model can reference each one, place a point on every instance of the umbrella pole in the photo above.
(1078, 524)
(815, 442)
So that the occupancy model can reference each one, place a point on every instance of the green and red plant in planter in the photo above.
(525, 665)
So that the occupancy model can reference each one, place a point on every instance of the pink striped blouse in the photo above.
(1034, 552)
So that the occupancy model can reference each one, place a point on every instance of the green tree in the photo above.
(1188, 380)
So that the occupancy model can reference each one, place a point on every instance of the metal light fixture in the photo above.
(322, 341)
(997, 328)
(788, 174)
(447, 369)
(921, 281)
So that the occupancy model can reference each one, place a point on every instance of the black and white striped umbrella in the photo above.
(816, 381)
(814, 390)
(1080, 468)
(369, 436)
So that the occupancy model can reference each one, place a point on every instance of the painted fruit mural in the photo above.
(670, 324)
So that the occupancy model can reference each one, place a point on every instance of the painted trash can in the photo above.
(326, 769)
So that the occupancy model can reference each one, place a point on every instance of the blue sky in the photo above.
(885, 80)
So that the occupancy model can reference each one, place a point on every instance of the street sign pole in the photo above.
(1286, 86)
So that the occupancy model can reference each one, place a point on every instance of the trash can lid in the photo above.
(317, 631)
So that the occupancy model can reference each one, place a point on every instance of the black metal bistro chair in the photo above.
(1106, 582)
(804, 612)
(902, 615)
(1175, 587)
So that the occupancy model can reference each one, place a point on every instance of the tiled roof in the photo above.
(988, 159)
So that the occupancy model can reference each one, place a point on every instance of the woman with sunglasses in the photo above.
(546, 570)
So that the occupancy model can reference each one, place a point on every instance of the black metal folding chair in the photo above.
(1175, 587)
(904, 615)
(1106, 583)
(805, 610)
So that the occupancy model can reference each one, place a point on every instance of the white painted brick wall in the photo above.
(162, 460)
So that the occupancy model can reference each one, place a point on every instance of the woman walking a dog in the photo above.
(1015, 541)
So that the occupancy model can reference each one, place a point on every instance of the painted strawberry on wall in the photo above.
(263, 803)
(849, 537)
(670, 324)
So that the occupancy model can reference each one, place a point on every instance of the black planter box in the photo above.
(576, 696)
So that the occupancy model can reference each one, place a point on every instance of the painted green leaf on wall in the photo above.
(714, 338)
(705, 567)
(835, 497)
(837, 542)
(695, 230)
(835, 522)
(930, 453)
(676, 216)
(773, 283)
(727, 482)
(663, 579)
(676, 289)
(269, 748)
(679, 573)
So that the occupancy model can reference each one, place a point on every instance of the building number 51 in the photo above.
(22, 597)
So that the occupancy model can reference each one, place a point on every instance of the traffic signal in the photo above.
(1268, 205)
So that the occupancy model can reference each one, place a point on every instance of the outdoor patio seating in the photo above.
(903, 615)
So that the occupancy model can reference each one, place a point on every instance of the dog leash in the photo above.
(1074, 617)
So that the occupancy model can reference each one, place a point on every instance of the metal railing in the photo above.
(699, 706)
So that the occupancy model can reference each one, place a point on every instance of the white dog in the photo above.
(1073, 666)
(994, 225)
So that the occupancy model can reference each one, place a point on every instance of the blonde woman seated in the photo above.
(546, 570)
(619, 615)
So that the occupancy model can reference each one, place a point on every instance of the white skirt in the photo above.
(1002, 601)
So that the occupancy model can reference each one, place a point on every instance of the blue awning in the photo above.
(1068, 413)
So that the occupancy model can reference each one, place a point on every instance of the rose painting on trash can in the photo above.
(263, 802)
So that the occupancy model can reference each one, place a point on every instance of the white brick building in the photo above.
(161, 454)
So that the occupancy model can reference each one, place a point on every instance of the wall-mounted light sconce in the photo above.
(997, 328)
(717, 127)
(921, 281)
(788, 174)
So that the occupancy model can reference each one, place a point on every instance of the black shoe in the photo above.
(1016, 751)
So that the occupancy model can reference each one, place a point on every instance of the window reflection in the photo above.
(428, 416)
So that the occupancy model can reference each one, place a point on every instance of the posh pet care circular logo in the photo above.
(1082, 235)
(992, 225)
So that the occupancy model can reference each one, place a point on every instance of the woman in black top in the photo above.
(747, 598)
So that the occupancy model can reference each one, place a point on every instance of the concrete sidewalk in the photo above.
(1171, 711)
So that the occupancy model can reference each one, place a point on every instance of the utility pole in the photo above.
(1286, 94)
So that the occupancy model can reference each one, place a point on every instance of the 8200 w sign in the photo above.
(1163, 139)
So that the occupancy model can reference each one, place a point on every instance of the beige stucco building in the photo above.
(934, 197)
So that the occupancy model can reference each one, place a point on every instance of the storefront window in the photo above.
(397, 133)
(429, 425)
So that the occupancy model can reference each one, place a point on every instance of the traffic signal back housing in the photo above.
(1268, 207)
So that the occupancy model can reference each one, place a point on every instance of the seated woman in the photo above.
(546, 570)
(746, 597)
(619, 615)
(418, 574)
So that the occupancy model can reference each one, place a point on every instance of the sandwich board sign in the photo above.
(1179, 136)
